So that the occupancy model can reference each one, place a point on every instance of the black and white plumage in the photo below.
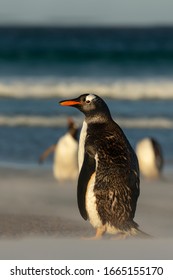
(150, 157)
(108, 184)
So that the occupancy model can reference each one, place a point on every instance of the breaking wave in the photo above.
(41, 121)
(120, 89)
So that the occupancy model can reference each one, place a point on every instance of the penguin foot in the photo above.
(92, 238)
(99, 233)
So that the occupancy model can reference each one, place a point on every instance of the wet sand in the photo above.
(39, 219)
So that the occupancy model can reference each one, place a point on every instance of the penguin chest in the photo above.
(91, 203)
(82, 145)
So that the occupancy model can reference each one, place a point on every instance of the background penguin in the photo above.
(65, 165)
(150, 157)
(108, 183)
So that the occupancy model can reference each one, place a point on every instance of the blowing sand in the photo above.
(39, 219)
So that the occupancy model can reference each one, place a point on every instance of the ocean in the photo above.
(131, 68)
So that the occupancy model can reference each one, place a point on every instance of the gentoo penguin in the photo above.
(108, 183)
(150, 157)
(65, 165)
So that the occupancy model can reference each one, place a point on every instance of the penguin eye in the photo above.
(87, 101)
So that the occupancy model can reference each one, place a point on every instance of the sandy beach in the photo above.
(39, 219)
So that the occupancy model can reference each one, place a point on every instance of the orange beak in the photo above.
(69, 103)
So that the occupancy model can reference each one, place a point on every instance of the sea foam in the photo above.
(119, 89)
(42, 121)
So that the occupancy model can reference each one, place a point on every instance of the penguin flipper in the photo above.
(87, 170)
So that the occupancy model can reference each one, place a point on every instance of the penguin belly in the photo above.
(92, 211)
(146, 157)
(91, 204)
(65, 159)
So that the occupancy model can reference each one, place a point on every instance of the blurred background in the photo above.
(51, 50)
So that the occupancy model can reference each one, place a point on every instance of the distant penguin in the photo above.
(65, 165)
(150, 157)
(108, 183)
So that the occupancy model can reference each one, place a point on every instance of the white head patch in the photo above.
(90, 97)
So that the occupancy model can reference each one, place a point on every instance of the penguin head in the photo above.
(90, 104)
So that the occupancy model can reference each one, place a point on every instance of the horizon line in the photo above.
(55, 25)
